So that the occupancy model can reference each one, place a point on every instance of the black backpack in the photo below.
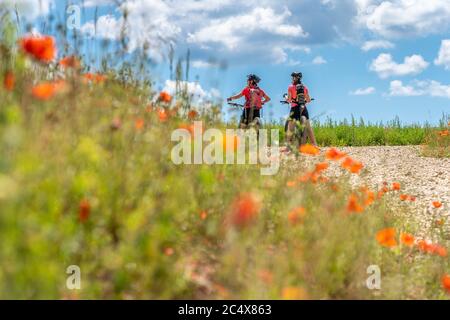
(301, 97)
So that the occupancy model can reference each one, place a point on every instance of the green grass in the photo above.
(357, 134)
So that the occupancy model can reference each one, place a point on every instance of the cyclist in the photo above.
(298, 97)
(255, 98)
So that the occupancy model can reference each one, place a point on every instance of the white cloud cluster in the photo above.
(400, 18)
(319, 60)
(443, 58)
(377, 44)
(29, 9)
(194, 89)
(234, 31)
(386, 67)
(363, 91)
(419, 88)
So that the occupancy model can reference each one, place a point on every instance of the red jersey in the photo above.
(293, 91)
(253, 97)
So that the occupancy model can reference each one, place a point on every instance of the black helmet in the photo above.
(254, 78)
(297, 75)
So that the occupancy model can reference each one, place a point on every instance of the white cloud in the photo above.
(319, 60)
(28, 8)
(443, 58)
(419, 88)
(363, 91)
(194, 89)
(234, 31)
(399, 18)
(148, 24)
(377, 44)
(386, 67)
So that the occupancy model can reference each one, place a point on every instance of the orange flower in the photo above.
(441, 251)
(139, 124)
(309, 150)
(386, 237)
(84, 210)
(356, 167)
(162, 115)
(412, 198)
(42, 48)
(370, 198)
(291, 184)
(425, 246)
(396, 186)
(192, 114)
(353, 204)
(203, 215)
(347, 163)
(296, 215)
(407, 239)
(334, 154)
(70, 62)
(444, 133)
(94, 77)
(437, 204)
(9, 82)
(245, 210)
(165, 97)
(403, 197)
(169, 251)
(44, 91)
(446, 282)
(321, 166)
(293, 293)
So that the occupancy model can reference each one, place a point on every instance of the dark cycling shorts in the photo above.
(247, 118)
(296, 113)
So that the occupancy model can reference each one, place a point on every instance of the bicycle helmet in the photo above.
(254, 78)
(297, 75)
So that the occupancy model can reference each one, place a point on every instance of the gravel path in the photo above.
(428, 179)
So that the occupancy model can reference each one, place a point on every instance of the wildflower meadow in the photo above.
(87, 183)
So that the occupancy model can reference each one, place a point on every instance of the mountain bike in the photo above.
(253, 122)
(299, 135)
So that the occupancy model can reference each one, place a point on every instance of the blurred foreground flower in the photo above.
(396, 186)
(41, 48)
(334, 154)
(96, 78)
(70, 62)
(84, 210)
(352, 166)
(407, 239)
(386, 237)
(9, 82)
(245, 210)
(296, 216)
(437, 204)
(294, 293)
(46, 90)
(165, 97)
(353, 204)
(446, 282)
(309, 150)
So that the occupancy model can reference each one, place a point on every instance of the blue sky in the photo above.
(368, 58)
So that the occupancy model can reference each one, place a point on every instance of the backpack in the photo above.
(255, 97)
(301, 96)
